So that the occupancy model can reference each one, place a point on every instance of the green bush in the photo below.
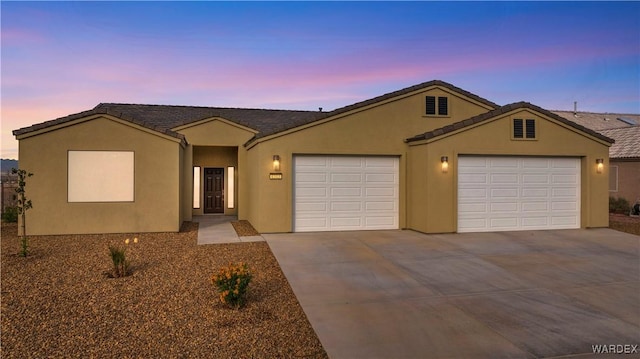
(619, 205)
(10, 214)
(232, 282)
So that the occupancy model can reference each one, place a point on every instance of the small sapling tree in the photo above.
(24, 204)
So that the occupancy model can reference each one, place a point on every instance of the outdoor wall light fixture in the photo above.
(276, 163)
(445, 164)
(599, 165)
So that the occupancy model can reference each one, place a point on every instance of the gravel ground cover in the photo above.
(624, 223)
(60, 303)
(244, 228)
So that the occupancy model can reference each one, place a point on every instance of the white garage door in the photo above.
(345, 193)
(518, 193)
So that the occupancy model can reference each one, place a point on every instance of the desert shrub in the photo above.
(121, 266)
(618, 205)
(232, 282)
(10, 214)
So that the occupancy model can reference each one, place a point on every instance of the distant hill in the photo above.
(7, 165)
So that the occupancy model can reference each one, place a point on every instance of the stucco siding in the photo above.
(379, 130)
(627, 181)
(215, 132)
(434, 210)
(156, 204)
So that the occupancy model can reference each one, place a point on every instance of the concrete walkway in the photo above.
(403, 294)
(214, 229)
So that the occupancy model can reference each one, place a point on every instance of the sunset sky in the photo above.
(60, 58)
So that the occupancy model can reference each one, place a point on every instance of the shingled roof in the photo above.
(163, 118)
(600, 121)
(627, 142)
(500, 111)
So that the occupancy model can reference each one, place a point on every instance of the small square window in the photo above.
(524, 129)
(437, 106)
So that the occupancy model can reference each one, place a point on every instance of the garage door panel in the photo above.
(536, 163)
(498, 223)
(535, 179)
(346, 192)
(535, 222)
(559, 192)
(535, 207)
(380, 206)
(473, 178)
(523, 193)
(470, 208)
(563, 206)
(528, 192)
(312, 192)
(313, 206)
(346, 206)
(504, 192)
(379, 162)
(504, 207)
(317, 223)
(504, 178)
(563, 179)
(380, 178)
(373, 222)
(357, 192)
(568, 221)
(346, 177)
(503, 162)
(311, 178)
(349, 162)
(346, 222)
(472, 193)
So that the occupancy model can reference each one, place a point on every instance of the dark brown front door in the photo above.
(213, 190)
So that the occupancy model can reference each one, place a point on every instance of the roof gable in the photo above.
(73, 119)
(501, 111)
(409, 90)
(265, 122)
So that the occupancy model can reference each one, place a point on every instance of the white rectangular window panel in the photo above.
(231, 188)
(523, 193)
(100, 176)
(334, 193)
(196, 187)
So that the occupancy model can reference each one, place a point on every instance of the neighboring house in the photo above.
(624, 163)
(624, 154)
(431, 157)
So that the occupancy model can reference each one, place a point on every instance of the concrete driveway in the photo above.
(402, 294)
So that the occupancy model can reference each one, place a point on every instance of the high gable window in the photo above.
(437, 106)
(524, 129)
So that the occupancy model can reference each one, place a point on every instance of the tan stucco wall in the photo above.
(215, 132)
(156, 204)
(628, 180)
(218, 143)
(433, 202)
(378, 130)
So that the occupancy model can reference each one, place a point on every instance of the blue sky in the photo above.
(65, 57)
